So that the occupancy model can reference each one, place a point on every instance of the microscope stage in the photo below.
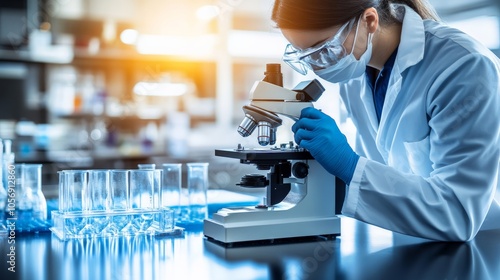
(264, 154)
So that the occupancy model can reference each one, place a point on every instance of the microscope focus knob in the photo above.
(300, 170)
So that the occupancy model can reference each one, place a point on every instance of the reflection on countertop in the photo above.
(362, 252)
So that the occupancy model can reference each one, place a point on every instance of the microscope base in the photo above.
(269, 230)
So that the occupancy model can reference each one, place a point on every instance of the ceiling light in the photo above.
(207, 12)
(129, 36)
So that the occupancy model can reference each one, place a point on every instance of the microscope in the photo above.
(302, 199)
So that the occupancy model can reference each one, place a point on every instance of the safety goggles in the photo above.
(322, 56)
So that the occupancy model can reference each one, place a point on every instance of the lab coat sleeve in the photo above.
(463, 107)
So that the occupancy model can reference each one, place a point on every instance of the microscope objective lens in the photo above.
(247, 126)
(264, 137)
(272, 139)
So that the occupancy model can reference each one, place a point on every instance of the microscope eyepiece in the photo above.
(273, 74)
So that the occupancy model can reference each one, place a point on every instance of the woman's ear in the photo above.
(370, 16)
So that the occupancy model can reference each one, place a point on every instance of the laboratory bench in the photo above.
(362, 251)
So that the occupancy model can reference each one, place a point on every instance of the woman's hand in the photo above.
(319, 133)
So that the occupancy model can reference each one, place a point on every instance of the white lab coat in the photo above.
(430, 168)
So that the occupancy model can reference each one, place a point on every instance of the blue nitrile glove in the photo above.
(318, 133)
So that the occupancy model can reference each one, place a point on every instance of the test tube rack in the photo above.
(85, 222)
(71, 225)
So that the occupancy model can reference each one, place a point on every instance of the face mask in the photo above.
(348, 67)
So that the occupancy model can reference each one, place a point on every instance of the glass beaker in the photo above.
(157, 181)
(96, 197)
(72, 186)
(197, 178)
(171, 187)
(146, 166)
(32, 180)
(141, 184)
(97, 190)
(141, 194)
(23, 199)
(117, 202)
(118, 190)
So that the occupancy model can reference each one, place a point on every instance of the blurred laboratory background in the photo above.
(113, 83)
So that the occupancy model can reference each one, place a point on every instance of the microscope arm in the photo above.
(262, 90)
(269, 100)
(289, 109)
(282, 101)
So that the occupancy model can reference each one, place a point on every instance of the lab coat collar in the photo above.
(412, 44)
(410, 52)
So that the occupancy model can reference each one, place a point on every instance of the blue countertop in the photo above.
(361, 252)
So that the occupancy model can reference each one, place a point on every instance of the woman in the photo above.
(425, 99)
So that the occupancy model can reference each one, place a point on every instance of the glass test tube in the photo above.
(116, 203)
(146, 166)
(71, 190)
(32, 180)
(118, 190)
(24, 198)
(171, 185)
(197, 190)
(97, 190)
(141, 193)
(157, 181)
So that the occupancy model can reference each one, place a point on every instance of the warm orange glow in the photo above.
(256, 44)
(193, 46)
(129, 36)
(160, 89)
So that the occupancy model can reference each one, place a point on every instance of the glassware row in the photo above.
(96, 190)
(100, 203)
(126, 202)
(157, 222)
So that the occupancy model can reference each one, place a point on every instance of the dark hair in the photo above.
(321, 14)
